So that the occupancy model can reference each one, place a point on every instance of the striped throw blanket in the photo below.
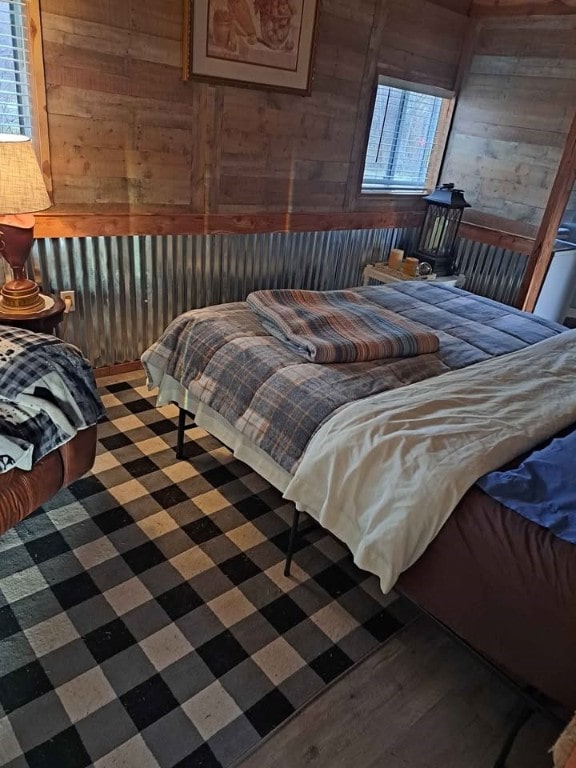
(338, 326)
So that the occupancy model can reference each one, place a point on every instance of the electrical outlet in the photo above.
(68, 296)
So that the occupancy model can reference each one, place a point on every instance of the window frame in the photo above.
(440, 139)
(39, 106)
(31, 24)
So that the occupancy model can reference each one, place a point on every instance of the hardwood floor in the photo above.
(420, 701)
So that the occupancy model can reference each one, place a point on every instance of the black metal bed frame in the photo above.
(533, 701)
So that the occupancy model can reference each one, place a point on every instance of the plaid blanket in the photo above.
(225, 358)
(47, 394)
(338, 326)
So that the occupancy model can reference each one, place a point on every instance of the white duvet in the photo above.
(384, 474)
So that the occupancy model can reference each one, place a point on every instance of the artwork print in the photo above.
(263, 32)
(260, 42)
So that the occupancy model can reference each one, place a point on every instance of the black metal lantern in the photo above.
(440, 228)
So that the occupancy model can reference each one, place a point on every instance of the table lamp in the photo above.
(22, 191)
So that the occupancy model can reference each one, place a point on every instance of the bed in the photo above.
(500, 581)
(49, 407)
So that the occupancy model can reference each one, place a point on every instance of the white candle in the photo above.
(395, 258)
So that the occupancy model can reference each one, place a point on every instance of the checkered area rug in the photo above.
(144, 617)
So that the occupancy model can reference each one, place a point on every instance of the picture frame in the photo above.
(253, 43)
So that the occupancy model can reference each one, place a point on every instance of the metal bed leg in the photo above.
(292, 541)
(180, 435)
(524, 715)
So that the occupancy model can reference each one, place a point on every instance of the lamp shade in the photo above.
(22, 188)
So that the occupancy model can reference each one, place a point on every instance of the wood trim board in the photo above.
(112, 224)
(117, 370)
(85, 224)
(543, 250)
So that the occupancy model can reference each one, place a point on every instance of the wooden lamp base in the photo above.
(21, 297)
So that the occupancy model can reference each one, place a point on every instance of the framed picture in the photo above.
(260, 43)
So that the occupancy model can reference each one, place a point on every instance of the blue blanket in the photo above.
(542, 487)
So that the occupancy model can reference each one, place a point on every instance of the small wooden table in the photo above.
(44, 321)
(382, 273)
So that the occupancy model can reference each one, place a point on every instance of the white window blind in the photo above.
(15, 98)
(402, 137)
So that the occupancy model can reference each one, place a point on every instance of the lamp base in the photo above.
(21, 297)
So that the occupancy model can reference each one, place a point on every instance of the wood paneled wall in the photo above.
(421, 42)
(125, 129)
(513, 114)
(521, 7)
(459, 6)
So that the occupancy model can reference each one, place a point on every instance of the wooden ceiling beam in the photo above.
(542, 252)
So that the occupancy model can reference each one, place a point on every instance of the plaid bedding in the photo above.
(47, 394)
(224, 356)
(338, 326)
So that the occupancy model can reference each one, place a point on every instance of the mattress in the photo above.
(226, 359)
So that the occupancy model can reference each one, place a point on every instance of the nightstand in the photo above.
(44, 321)
(382, 273)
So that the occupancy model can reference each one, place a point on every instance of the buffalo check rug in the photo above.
(144, 617)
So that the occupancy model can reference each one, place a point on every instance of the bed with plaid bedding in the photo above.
(226, 359)
(47, 394)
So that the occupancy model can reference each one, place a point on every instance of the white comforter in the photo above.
(384, 474)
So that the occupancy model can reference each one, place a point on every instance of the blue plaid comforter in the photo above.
(47, 394)
(226, 359)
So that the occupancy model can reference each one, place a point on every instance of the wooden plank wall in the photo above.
(125, 131)
(422, 42)
(459, 6)
(522, 7)
(122, 124)
(513, 115)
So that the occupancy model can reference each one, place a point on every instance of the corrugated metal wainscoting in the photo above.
(129, 288)
(493, 272)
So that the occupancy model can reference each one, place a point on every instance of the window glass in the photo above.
(15, 97)
(403, 136)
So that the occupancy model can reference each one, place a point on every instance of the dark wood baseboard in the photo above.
(117, 370)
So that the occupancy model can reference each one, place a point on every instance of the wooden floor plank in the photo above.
(420, 701)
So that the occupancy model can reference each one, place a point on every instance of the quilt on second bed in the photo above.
(226, 359)
(47, 394)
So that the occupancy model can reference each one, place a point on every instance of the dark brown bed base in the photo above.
(507, 587)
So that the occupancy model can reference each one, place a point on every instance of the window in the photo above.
(22, 88)
(15, 101)
(407, 136)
